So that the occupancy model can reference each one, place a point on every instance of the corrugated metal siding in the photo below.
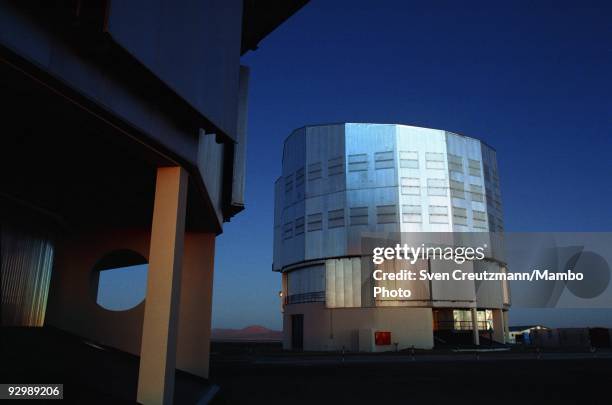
(343, 281)
(26, 272)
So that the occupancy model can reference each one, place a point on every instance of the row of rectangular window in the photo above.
(335, 219)
(439, 187)
(459, 219)
(474, 168)
(385, 214)
(439, 214)
(455, 164)
(410, 160)
(411, 186)
(384, 160)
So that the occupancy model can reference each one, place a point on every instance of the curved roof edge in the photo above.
(330, 124)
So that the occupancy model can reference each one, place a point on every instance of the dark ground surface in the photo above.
(261, 373)
(90, 375)
(251, 373)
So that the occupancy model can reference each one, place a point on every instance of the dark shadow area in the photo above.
(252, 373)
(91, 374)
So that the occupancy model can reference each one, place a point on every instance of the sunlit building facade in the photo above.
(342, 183)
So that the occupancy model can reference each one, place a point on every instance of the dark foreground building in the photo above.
(122, 143)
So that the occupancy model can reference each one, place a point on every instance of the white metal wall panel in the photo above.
(306, 280)
(457, 293)
(489, 294)
(343, 281)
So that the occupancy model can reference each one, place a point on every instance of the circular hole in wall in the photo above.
(119, 280)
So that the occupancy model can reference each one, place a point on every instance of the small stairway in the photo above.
(449, 338)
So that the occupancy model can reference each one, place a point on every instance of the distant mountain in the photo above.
(253, 332)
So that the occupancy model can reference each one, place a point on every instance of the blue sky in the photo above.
(531, 78)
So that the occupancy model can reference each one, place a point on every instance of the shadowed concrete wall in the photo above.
(72, 303)
(333, 329)
(196, 302)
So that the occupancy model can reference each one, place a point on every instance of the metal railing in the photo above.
(318, 296)
(463, 325)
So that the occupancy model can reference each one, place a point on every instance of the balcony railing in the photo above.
(464, 325)
(318, 296)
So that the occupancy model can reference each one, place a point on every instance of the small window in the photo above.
(434, 160)
(457, 189)
(314, 171)
(386, 214)
(480, 219)
(455, 163)
(409, 160)
(460, 216)
(383, 160)
(335, 166)
(299, 226)
(358, 163)
(437, 187)
(411, 186)
(288, 230)
(460, 212)
(434, 165)
(474, 167)
(479, 215)
(438, 214)
(335, 218)
(359, 215)
(434, 157)
(476, 193)
(411, 214)
(315, 222)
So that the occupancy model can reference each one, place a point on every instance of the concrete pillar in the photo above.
(499, 328)
(193, 348)
(159, 333)
(475, 327)
(506, 326)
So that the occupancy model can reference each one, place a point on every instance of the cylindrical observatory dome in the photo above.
(344, 183)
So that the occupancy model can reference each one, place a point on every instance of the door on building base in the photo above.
(297, 332)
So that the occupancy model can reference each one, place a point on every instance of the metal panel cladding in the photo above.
(341, 180)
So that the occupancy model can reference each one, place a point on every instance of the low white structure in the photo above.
(520, 334)
(345, 185)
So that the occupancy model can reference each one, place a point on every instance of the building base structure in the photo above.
(355, 329)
